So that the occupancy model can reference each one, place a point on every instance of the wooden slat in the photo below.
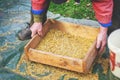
(56, 60)
(90, 57)
(75, 29)
(32, 44)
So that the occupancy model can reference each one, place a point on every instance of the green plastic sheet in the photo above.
(13, 17)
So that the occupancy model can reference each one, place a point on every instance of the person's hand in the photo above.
(36, 28)
(102, 39)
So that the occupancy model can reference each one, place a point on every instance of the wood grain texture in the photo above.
(56, 60)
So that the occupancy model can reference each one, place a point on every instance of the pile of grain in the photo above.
(59, 42)
(45, 72)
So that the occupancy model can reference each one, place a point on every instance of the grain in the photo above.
(62, 43)
(38, 71)
(45, 72)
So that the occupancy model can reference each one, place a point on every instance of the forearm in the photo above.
(103, 12)
(39, 10)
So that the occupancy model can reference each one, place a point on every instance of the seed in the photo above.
(65, 44)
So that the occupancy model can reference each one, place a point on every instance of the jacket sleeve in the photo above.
(103, 11)
(38, 9)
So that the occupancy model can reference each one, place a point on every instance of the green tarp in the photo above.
(13, 16)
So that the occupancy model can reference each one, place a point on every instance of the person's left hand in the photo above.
(36, 28)
(102, 39)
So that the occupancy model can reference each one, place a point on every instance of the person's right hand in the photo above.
(102, 39)
(36, 28)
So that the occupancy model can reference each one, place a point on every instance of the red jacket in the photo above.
(102, 8)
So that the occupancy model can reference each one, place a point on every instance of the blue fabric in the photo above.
(107, 24)
(37, 12)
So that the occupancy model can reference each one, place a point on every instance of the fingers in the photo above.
(40, 32)
(102, 48)
(36, 28)
(98, 43)
(99, 40)
(33, 33)
(101, 43)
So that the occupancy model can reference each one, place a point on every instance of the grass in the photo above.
(82, 10)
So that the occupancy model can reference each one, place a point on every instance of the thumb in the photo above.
(33, 33)
(98, 43)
